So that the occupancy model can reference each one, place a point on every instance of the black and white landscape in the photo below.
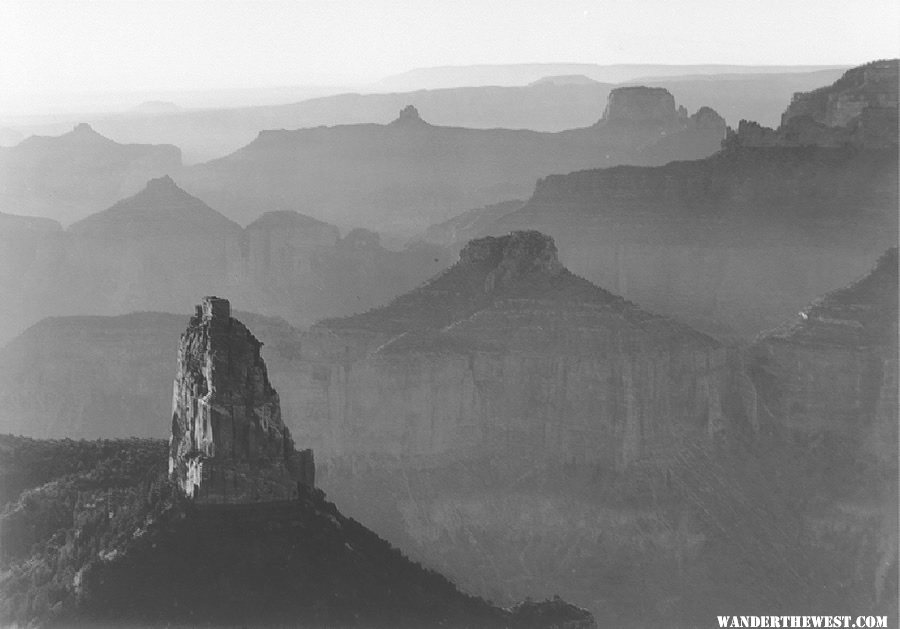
(392, 314)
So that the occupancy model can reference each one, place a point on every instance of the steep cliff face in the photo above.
(827, 387)
(829, 380)
(229, 443)
(508, 354)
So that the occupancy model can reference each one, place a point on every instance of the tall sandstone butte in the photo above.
(229, 443)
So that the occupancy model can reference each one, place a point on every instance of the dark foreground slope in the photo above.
(790, 508)
(112, 545)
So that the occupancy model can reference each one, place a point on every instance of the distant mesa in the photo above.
(401, 181)
(564, 79)
(228, 442)
(640, 104)
(409, 115)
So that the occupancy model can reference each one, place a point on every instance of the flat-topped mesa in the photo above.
(641, 104)
(513, 256)
(229, 443)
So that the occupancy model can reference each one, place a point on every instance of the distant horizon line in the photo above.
(361, 82)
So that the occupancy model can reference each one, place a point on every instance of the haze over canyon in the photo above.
(561, 345)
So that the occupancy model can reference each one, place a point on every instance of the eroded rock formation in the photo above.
(229, 443)
(508, 354)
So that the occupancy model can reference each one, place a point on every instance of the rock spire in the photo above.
(228, 442)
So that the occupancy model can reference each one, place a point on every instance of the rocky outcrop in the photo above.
(564, 79)
(829, 379)
(228, 442)
(859, 109)
(409, 115)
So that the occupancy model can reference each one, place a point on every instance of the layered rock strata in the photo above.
(508, 354)
(229, 443)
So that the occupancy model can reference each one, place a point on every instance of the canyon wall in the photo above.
(829, 379)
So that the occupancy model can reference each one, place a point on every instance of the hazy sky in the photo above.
(72, 45)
